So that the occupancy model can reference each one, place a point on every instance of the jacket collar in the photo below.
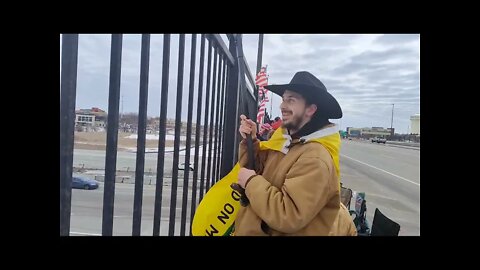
(291, 140)
(329, 137)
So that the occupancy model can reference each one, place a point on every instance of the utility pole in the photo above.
(271, 104)
(391, 123)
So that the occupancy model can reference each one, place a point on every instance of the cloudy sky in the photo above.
(365, 73)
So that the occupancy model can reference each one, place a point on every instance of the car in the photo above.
(82, 182)
(182, 167)
(379, 140)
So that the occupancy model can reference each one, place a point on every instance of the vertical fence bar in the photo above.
(244, 96)
(229, 153)
(198, 127)
(212, 112)
(256, 87)
(142, 126)
(68, 90)
(222, 114)
(217, 121)
(112, 134)
(247, 100)
(161, 139)
(205, 122)
(189, 134)
(176, 144)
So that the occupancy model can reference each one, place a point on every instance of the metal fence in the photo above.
(226, 93)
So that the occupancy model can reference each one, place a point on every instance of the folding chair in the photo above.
(383, 226)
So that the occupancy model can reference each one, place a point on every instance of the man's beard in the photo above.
(294, 123)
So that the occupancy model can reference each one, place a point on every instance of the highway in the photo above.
(390, 177)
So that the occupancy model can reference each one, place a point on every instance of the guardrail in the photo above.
(416, 145)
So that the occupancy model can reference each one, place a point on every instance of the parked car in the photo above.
(379, 140)
(182, 167)
(84, 183)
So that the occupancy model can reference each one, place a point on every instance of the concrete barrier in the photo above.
(404, 144)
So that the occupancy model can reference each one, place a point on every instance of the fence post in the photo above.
(229, 151)
(112, 134)
(67, 123)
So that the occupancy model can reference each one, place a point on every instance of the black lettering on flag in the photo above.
(211, 232)
(221, 218)
(235, 195)
(229, 208)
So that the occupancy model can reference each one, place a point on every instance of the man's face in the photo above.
(295, 113)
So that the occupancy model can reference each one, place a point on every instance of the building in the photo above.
(93, 119)
(415, 124)
(368, 133)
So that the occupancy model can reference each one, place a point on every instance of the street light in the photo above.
(391, 123)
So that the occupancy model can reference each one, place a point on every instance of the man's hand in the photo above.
(243, 176)
(247, 126)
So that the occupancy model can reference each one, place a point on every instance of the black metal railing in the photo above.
(112, 131)
(68, 88)
(222, 95)
(142, 126)
(161, 138)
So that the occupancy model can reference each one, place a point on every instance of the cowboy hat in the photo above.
(313, 90)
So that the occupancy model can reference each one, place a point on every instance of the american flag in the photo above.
(261, 80)
(261, 110)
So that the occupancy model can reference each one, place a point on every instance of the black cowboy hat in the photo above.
(313, 90)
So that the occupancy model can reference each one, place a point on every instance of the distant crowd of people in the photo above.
(267, 129)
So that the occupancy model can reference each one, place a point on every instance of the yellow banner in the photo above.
(217, 211)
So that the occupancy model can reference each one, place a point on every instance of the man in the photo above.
(295, 188)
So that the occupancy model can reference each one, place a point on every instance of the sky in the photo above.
(366, 73)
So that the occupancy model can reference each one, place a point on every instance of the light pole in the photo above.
(391, 123)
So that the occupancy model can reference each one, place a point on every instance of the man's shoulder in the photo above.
(314, 150)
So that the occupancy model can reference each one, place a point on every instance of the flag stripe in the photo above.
(261, 80)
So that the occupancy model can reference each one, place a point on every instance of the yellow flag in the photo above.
(217, 211)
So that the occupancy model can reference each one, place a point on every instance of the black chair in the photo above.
(383, 226)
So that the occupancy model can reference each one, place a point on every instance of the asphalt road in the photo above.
(390, 177)
(87, 209)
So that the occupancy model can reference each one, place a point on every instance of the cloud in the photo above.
(366, 73)
(399, 39)
(94, 72)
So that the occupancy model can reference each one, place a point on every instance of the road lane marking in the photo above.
(82, 233)
(410, 181)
